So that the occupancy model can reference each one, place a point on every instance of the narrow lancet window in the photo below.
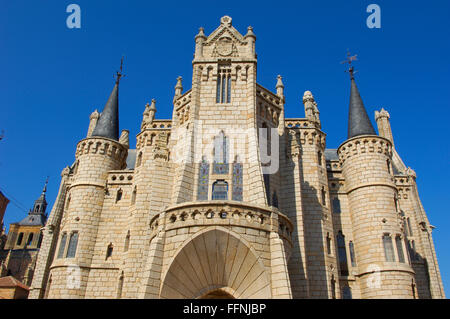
(342, 253)
(127, 242)
(119, 195)
(223, 92)
(62, 245)
(388, 248)
(399, 244)
(73, 242)
(221, 150)
(133, 196)
(351, 248)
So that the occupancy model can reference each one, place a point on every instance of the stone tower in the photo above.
(372, 199)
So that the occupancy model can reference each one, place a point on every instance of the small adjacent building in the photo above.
(19, 254)
(11, 288)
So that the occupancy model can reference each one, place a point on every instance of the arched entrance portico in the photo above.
(216, 263)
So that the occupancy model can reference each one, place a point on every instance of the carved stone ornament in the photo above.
(224, 46)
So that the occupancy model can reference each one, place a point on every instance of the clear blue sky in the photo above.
(53, 77)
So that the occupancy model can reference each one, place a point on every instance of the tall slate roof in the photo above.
(108, 123)
(358, 120)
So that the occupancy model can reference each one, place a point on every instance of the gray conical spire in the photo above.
(108, 122)
(358, 120)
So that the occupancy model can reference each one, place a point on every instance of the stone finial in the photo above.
(149, 114)
(93, 119)
(250, 33)
(311, 109)
(280, 86)
(280, 81)
(411, 172)
(381, 113)
(125, 138)
(153, 105)
(201, 34)
(94, 115)
(308, 97)
(179, 86)
(226, 20)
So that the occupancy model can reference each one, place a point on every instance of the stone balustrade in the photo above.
(222, 213)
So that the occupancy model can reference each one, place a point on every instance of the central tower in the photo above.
(215, 122)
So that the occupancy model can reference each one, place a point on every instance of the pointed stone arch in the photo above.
(215, 259)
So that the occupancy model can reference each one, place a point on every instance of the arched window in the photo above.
(319, 157)
(220, 190)
(30, 239)
(109, 251)
(36, 209)
(133, 195)
(342, 253)
(119, 195)
(237, 180)
(336, 205)
(328, 244)
(399, 244)
(221, 150)
(388, 162)
(388, 248)
(275, 200)
(20, 239)
(127, 242)
(62, 245)
(351, 248)
(203, 180)
(346, 292)
(73, 242)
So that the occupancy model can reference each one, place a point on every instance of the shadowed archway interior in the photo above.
(216, 264)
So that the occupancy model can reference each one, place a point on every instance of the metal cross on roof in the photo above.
(349, 60)
(119, 74)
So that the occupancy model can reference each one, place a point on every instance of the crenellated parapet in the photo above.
(363, 145)
(101, 146)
